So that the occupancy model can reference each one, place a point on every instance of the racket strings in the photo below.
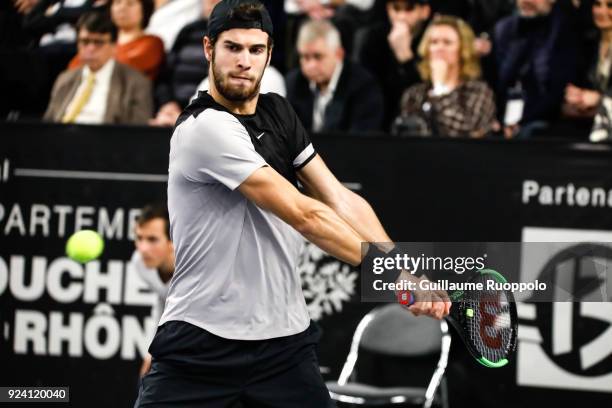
(490, 329)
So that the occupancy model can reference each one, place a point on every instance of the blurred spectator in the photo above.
(583, 100)
(50, 25)
(25, 6)
(170, 17)
(12, 34)
(103, 91)
(484, 14)
(346, 15)
(54, 20)
(389, 50)
(330, 93)
(536, 53)
(154, 260)
(184, 70)
(140, 51)
(22, 73)
(320, 9)
(451, 101)
(480, 14)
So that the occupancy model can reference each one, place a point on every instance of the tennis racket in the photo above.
(485, 320)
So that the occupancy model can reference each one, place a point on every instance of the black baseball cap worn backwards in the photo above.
(223, 18)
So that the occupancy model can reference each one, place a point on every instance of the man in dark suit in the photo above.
(389, 50)
(330, 93)
(103, 91)
(536, 53)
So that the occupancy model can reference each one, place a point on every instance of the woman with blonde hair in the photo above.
(451, 101)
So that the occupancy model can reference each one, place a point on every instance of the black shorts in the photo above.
(195, 368)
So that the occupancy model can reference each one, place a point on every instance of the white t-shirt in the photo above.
(236, 270)
(151, 277)
(94, 110)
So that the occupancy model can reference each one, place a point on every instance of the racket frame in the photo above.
(460, 309)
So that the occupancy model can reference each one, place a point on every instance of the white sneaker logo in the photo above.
(259, 137)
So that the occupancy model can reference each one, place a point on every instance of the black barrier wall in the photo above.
(86, 327)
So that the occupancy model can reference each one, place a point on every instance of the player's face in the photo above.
(444, 44)
(151, 241)
(95, 49)
(318, 60)
(238, 61)
(602, 14)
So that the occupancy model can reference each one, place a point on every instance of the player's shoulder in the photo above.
(208, 131)
(217, 125)
(276, 103)
(214, 119)
(205, 115)
(205, 132)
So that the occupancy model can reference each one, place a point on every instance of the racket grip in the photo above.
(405, 297)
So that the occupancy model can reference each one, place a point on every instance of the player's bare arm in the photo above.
(316, 221)
(320, 183)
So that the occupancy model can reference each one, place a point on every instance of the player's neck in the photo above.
(239, 108)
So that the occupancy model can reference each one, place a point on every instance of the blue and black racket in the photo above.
(486, 320)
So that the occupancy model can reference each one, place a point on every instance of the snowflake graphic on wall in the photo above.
(326, 282)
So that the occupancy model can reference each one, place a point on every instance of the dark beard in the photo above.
(234, 94)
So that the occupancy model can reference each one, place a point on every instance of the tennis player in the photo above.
(235, 330)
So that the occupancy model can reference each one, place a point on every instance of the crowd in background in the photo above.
(449, 68)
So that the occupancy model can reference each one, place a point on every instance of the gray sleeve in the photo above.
(217, 148)
(157, 310)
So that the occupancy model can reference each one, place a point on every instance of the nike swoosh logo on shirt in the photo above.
(259, 137)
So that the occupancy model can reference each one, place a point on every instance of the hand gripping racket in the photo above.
(485, 320)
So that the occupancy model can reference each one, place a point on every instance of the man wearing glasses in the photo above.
(103, 91)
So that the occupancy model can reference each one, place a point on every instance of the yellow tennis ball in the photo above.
(84, 246)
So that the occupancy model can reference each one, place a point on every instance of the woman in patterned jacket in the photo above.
(451, 101)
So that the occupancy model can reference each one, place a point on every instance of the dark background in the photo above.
(422, 189)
